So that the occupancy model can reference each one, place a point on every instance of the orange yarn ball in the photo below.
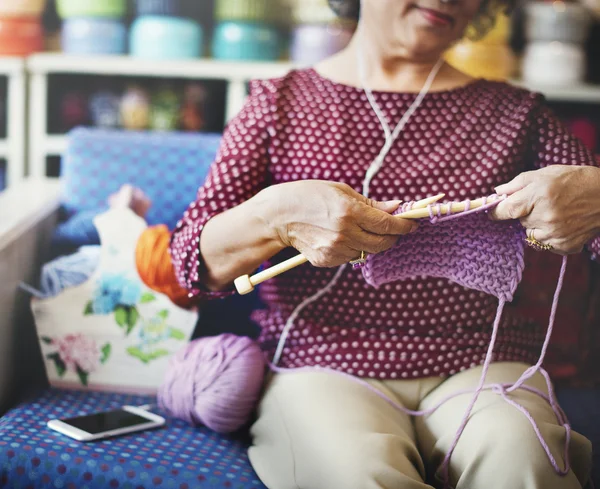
(155, 268)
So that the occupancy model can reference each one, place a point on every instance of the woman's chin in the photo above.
(425, 50)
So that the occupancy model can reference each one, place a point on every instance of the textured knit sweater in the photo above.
(462, 142)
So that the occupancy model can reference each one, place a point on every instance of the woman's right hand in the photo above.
(330, 223)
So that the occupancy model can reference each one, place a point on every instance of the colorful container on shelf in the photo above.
(262, 11)
(313, 42)
(94, 36)
(556, 33)
(557, 21)
(20, 36)
(165, 110)
(105, 109)
(157, 37)
(175, 8)
(554, 64)
(312, 12)
(135, 109)
(489, 57)
(114, 9)
(22, 8)
(73, 110)
(246, 41)
(192, 108)
(493, 62)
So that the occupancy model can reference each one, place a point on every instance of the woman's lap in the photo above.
(318, 430)
(498, 447)
(321, 431)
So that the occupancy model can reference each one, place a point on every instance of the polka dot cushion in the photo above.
(175, 457)
(169, 168)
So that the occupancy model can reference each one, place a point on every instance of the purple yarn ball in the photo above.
(214, 381)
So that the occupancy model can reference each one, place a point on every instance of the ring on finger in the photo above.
(535, 244)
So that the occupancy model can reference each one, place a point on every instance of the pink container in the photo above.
(20, 36)
(22, 8)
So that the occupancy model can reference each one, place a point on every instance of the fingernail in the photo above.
(414, 227)
(393, 202)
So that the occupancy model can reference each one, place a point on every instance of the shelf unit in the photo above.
(235, 74)
(12, 148)
(41, 66)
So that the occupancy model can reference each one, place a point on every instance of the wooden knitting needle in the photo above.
(444, 209)
(245, 284)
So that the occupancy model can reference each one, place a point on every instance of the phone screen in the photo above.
(107, 421)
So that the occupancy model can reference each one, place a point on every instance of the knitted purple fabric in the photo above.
(470, 250)
(475, 252)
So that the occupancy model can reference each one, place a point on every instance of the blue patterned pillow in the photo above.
(168, 167)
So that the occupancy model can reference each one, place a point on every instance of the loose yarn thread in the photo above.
(502, 389)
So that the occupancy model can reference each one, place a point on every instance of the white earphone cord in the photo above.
(390, 138)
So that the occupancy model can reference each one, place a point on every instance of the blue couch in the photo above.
(169, 169)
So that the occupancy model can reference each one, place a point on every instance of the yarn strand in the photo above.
(504, 389)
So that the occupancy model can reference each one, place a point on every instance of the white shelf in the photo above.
(11, 65)
(575, 93)
(235, 74)
(4, 149)
(47, 63)
(55, 145)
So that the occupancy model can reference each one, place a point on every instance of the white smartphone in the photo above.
(99, 426)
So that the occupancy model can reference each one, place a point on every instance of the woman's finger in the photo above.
(518, 183)
(375, 221)
(388, 206)
(372, 243)
(515, 206)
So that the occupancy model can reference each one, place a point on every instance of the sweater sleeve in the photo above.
(554, 144)
(239, 172)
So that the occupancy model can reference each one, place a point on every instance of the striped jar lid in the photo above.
(91, 8)
(25, 8)
(312, 12)
(251, 10)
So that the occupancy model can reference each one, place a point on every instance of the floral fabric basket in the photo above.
(112, 332)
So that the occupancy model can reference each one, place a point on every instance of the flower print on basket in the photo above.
(112, 332)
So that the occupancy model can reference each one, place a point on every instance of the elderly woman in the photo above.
(289, 176)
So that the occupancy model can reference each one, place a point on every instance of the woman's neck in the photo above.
(385, 72)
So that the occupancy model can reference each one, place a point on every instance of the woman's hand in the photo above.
(559, 205)
(330, 223)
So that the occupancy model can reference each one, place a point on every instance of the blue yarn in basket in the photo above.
(94, 36)
(156, 37)
(246, 41)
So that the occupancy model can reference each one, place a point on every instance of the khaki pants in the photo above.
(323, 431)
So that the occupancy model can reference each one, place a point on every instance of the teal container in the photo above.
(112, 9)
(246, 41)
(159, 37)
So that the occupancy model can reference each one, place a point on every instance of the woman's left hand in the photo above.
(559, 205)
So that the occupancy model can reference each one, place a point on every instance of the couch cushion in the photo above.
(582, 407)
(177, 456)
(168, 167)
